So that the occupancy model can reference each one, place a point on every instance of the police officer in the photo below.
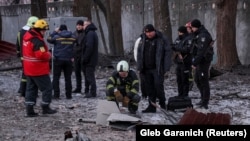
(183, 59)
(202, 57)
(123, 86)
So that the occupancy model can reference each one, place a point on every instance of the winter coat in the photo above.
(36, 55)
(79, 34)
(182, 46)
(163, 53)
(63, 44)
(203, 50)
(90, 46)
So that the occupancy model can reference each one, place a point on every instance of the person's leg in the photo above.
(23, 85)
(90, 79)
(159, 89)
(56, 78)
(150, 91)
(185, 79)
(30, 97)
(86, 82)
(78, 75)
(204, 81)
(179, 80)
(67, 75)
(45, 86)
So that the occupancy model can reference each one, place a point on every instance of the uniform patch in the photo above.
(42, 49)
(203, 39)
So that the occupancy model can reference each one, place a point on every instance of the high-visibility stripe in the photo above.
(32, 59)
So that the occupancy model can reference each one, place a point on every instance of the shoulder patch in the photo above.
(203, 39)
(42, 49)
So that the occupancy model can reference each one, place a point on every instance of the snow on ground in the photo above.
(229, 94)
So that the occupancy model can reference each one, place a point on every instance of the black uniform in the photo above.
(79, 34)
(183, 59)
(202, 57)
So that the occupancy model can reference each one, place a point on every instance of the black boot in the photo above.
(77, 90)
(30, 111)
(48, 110)
(149, 109)
(199, 103)
(132, 107)
(163, 105)
(22, 89)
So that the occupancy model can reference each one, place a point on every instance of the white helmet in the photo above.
(122, 66)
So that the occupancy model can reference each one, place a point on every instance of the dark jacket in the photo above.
(163, 53)
(90, 46)
(79, 34)
(202, 46)
(183, 45)
(19, 41)
(130, 84)
(63, 44)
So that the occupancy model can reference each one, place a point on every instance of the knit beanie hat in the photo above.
(79, 22)
(182, 29)
(149, 28)
(62, 27)
(196, 23)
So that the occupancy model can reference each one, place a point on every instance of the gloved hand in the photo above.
(118, 95)
(125, 101)
(136, 98)
(130, 95)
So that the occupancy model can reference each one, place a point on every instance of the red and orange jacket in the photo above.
(36, 55)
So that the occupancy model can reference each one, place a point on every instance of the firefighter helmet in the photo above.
(31, 21)
(41, 24)
(122, 66)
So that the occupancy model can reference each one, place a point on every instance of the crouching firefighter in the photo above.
(123, 86)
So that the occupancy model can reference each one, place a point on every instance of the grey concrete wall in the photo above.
(135, 14)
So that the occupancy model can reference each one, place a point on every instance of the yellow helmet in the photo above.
(41, 24)
(31, 21)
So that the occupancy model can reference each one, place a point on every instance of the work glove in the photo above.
(130, 95)
(118, 95)
(125, 101)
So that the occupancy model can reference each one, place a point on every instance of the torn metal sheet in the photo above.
(104, 109)
(123, 121)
